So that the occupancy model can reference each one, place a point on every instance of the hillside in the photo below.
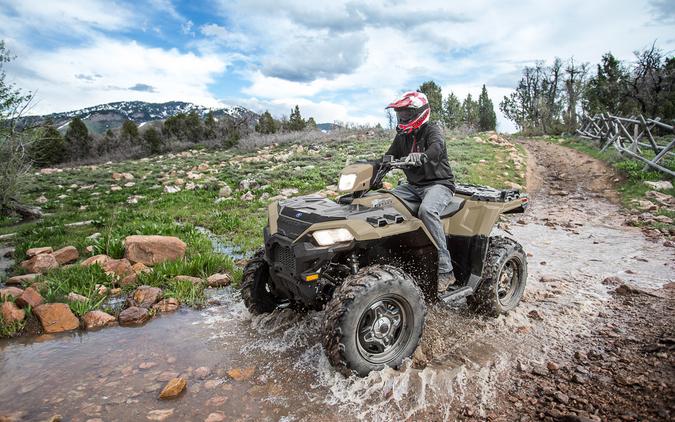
(102, 117)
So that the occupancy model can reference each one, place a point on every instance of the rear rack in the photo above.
(485, 193)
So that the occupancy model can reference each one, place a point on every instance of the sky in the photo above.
(338, 60)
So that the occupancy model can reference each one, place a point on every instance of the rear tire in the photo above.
(375, 319)
(504, 278)
(255, 289)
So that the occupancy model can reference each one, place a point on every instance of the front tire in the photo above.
(504, 278)
(255, 290)
(375, 319)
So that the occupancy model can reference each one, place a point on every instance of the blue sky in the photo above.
(339, 60)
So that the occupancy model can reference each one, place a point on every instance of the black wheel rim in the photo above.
(509, 281)
(384, 329)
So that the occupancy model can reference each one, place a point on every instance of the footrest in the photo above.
(456, 294)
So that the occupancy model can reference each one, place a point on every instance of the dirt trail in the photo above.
(601, 348)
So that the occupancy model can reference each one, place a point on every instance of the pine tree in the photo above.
(49, 148)
(487, 118)
(311, 123)
(153, 140)
(452, 112)
(470, 112)
(266, 123)
(210, 126)
(129, 130)
(295, 121)
(78, 141)
(435, 96)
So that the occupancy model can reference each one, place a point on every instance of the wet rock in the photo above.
(97, 319)
(219, 280)
(216, 401)
(166, 376)
(145, 296)
(419, 358)
(30, 297)
(159, 414)
(11, 313)
(193, 280)
(549, 279)
(56, 317)
(96, 259)
(11, 291)
(134, 316)
(37, 251)
(40, 263)
(534, 314)
(166, 305)
(173, 388)
(625, 290)
(202, 372)
(115, 292)
(152, 250)
(241, 374)
(18, 280)
(539, 370)
(211, 384)
(66, 255)
(215, 417)
(552, 366)
(147, 365)
(118, 267)
(152, 387)
(74, 297)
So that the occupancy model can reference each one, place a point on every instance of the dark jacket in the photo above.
(429, 140)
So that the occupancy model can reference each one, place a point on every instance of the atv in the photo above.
(372, 264)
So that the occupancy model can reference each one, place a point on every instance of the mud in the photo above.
(467, 367)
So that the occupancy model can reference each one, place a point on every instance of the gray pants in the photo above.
(432, 200)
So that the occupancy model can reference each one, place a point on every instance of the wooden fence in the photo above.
(630, 136)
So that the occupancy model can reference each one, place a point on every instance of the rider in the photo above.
(430, 182)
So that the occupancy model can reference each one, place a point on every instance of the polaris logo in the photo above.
(298, 214)
(381, 203)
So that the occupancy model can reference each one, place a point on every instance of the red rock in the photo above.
(97, 319)
(145, 296)
(96, 259)
(66, 255)
(13, 292)
(219, 280)
(129, 280)
(40, 263)
(139, 267)
(241, 374)
(151, 250)
(56, 317)
(134, 316)
(11, 313)
(173, 388)
(202, 372)
(37, 251)
(119, 267)
(29, 297)
(166, 305)
(18, 280)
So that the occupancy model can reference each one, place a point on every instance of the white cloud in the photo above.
(110, 70)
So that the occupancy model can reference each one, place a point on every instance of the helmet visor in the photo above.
(406, 115)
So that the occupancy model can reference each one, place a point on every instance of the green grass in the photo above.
(83, 193)
(631, 186)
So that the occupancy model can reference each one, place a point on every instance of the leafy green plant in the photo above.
(186, 292)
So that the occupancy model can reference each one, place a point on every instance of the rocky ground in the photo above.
(591, 340)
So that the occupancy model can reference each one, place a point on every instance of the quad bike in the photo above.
(371, 263)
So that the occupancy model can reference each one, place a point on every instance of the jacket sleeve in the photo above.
(394, 149)
(435, 144)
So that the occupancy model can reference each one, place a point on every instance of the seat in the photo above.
(451, 209)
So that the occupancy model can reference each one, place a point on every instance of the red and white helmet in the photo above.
(412, 111)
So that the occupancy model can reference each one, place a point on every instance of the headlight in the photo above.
(346, 182)
(330, 237)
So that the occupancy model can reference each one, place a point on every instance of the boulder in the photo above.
(66, 255)
(151, 250)
(248, 196)
(118, 267)
(37, 251)
(96, 259)
(129, 280)
(97, 319)
(18, 280)
(225, 191)
(29, 297)
(11, 313)
(134, 316)
(145, 296)
(56, 317)
(11, 291)
(166, 305)
(219, 280)
(173, 388)
(40, 263)
(74, 297)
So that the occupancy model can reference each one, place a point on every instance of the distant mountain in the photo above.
(327, 127)
(111, 116)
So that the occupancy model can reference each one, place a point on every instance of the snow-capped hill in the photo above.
(102, 117)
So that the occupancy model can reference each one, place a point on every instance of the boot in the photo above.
(445, 280)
